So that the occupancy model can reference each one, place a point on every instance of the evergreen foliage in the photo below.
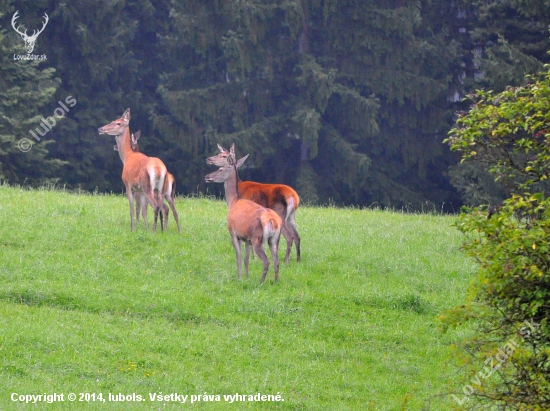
(25, 88)
(355, 80)
(506, 40)
(509, 40)
(348, 100)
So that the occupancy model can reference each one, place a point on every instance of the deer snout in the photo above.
(100, 130)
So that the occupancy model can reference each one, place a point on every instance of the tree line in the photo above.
(348, 102)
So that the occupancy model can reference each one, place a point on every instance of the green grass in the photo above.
(88, 306)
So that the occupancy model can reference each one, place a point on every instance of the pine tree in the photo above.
(504, 42)
(347, 101)
(509, 39)
(344, 100)
(25, 89)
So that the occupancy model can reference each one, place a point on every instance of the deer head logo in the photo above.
(29, 40)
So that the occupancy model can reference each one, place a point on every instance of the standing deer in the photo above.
(140, 173)
(29, 40)
(248, 221)
(169, 190)
(279, 197)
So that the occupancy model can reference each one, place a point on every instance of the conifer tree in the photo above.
(25, 88)
(345, 101)
(504, 42)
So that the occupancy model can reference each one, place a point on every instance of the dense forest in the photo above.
(347, 101)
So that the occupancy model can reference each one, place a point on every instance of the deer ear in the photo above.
(241, 161)
(137, 135)
(232, 150)
(126, 116)
(221, 148)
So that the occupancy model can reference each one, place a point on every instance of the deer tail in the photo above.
(157, 182)
(271, 225)
(292, 203)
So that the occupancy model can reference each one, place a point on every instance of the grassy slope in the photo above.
(88, 306)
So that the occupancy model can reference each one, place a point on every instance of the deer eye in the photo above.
(118, 124)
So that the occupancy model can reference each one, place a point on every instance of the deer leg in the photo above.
(157, 208)
(130, 196)
(143, 202)
(151, 201)
(138, 206)
(156, 211)
(288, 237)
(237, 246)
(261, 253)
(165, 212)
(274, 248)
(161, 209)
(166, 215)
(292, 223)
(247, 248)
(174, 212)
(286, 231)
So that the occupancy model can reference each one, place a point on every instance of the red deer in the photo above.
(169, 190)
(140, 173)
(248, 222)
(279, 197)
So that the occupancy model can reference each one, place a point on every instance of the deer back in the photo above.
(248, 219)
(268, 195)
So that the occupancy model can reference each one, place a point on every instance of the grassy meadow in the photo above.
(86, 306)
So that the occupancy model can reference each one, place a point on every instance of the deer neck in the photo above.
(124, 145)
(231, 191)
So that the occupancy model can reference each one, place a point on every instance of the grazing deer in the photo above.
(279, 197)
(248, 221)
(140, 173)
(169, 190)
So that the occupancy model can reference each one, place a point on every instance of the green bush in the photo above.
(506, 356)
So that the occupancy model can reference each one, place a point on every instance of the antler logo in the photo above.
(29, 40)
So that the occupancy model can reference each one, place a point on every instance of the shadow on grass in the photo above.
(408, 302)
(68, 303)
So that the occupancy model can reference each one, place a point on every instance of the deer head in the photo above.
(222, 175)
(29, 40)
(222, 159)
(118, 126)
(134, 140)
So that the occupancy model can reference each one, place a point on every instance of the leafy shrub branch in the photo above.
(510, 132)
